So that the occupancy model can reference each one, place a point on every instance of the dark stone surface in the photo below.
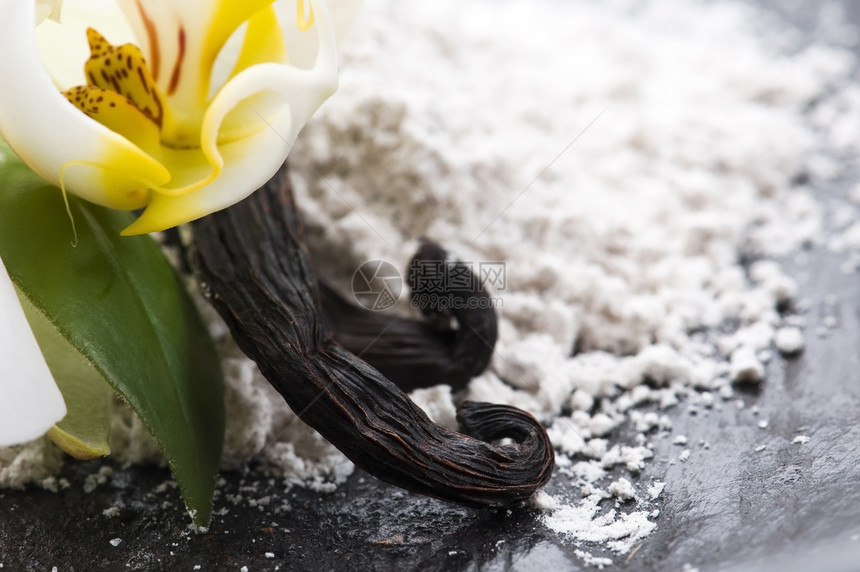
(788, 507)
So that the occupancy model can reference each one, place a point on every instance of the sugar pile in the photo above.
(621, 158)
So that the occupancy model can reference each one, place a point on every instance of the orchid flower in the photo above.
(180, 109)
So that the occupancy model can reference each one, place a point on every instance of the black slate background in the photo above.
(788, 507)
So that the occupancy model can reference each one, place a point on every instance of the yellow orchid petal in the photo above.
(31, 402)
(263, 42)
(166, 211)
(116, 113)
(122, 69)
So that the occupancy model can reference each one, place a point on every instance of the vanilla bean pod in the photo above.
(252, 263)
(410, 353)
(414, 353)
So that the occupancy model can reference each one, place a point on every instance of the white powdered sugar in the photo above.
(618, 531)
(620, 158)
(34, 462)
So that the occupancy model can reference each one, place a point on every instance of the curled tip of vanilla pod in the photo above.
(254, 266)
(454, 345)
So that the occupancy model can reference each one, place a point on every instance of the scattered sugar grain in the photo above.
(541, 500)
(593, 561)
(579, 521)
(111, 512)
(801, 439)
(50, 484)
(581, 401)
(656, 489)
(644, 422)
(789, 340)
(668, 399)
(94, 480)
(622, 489)
(769, 275)
(746, 367)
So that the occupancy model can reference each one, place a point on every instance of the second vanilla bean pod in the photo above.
(253, 265)
(414, 353)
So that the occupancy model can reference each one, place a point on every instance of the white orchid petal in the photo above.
(343, 15)
(303, 47)
(64, 146)
(48, 9)
(30, 402)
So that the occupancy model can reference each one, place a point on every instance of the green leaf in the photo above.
(84, 432)
(119, 303)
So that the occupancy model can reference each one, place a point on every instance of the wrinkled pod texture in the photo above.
(456, 347)
(253, 265)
